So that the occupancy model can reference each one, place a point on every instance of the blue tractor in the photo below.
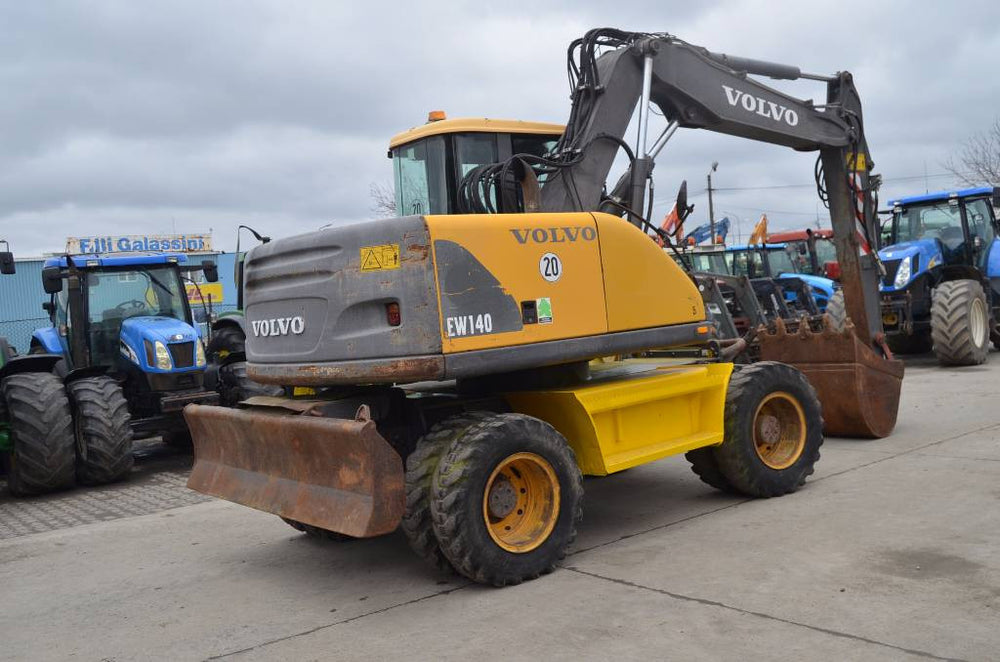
(941, 287)
(775, 261)
(120, 361)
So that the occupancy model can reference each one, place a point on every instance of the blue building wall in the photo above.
(21, 297)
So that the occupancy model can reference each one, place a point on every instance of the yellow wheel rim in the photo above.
(779, 430)
(521, 502)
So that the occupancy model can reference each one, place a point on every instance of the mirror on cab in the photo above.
(683, 211)
(52, 280)
(996, 197)
(7, 263)
(211, 271)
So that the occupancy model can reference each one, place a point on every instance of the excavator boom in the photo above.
(695, 88)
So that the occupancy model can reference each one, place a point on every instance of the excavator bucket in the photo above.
(858, 388)
(336, 474)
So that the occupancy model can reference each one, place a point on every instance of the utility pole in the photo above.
(711, 210)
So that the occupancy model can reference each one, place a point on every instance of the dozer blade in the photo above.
(336, 474)
(858, 388)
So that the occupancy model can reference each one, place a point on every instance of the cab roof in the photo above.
(796, 235)
(474, 125)
(745, 247)
(942, 195)
(93, 260)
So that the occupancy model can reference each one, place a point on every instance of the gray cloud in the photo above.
(122, 116)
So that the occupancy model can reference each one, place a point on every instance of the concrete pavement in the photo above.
(891, 551)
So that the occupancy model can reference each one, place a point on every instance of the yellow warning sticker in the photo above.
(380, 258)
(856, 162)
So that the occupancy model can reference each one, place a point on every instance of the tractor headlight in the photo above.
(163, 361)
(199, 354)
(903, 275)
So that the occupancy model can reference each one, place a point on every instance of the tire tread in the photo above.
(41, 424)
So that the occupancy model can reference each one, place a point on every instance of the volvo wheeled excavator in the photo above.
(448, 356)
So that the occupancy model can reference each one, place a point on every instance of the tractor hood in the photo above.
(907, 260)
(819, 283)
(140, 336)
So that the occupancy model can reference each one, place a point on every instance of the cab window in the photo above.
(419, 173)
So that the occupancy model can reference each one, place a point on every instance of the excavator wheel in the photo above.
(420, 467)
(316, 532)
(706, 467)
(773, 430)
(960, 323)
(507, 496)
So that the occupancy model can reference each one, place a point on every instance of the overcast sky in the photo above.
(124, 117)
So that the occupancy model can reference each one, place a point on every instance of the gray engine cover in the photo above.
(308, 301)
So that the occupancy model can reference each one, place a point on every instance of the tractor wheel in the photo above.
(234, 385)
(43, 454)
(918, 343)
(103, 432)
(960, 323)
(837, 310)
(420, 467)
(704, 464)
(507, 497)
(773, 430)
(226, 340)
(316, 532)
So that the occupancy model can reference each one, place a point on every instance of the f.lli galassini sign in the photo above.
(178, 243)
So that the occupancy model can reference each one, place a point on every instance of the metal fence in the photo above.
(18, 332)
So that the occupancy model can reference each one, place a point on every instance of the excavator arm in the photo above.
(852, 368)
(696, 88)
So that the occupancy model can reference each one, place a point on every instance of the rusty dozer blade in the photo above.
(858, 388)
(336, 474)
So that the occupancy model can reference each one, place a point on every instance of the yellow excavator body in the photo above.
(589, 274)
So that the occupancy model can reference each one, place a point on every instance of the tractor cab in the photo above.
(954, 229)
(775, 261)
(429, 161)
(942, 257)
(812, 251)
(127, 316)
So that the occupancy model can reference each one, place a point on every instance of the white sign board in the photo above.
(157, 243)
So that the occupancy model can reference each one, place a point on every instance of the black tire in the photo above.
(960, 323)
(226, 340)
(235, 385)
(102, 424)
(706, 467)
(316, 532)
(918, 343)
(43, 457)
(837, 310)
(740, 457)
(460, 485)
(420, 467)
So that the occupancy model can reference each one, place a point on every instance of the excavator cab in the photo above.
(430, 160)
